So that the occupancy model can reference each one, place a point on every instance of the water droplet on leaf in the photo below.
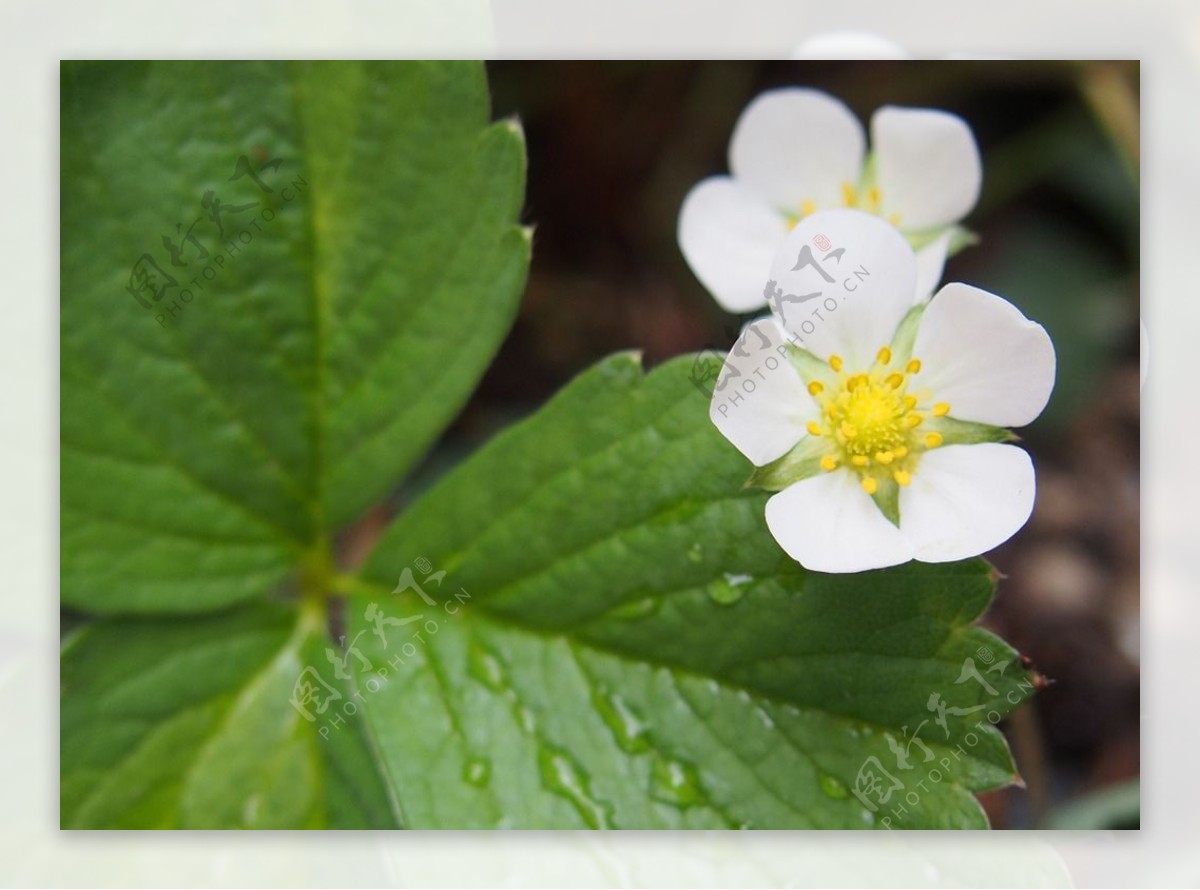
(676, 783)
(635, 609)
(525, 718)
(477, 771)
(561, 775)
(628, 731)
(833, 787)
(486, 668)
(728, 589)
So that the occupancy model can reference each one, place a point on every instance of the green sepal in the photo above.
(968, 432)
(906, 334)
(887, 499)
(960, 238)
(802, 462)
(809, 366)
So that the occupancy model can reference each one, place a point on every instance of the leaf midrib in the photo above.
(320, 301)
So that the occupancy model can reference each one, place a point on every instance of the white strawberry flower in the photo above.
(882, 424)
(795, 151)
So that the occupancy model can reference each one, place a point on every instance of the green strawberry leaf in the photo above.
(616, 641)
(173, 724)
(234, 390)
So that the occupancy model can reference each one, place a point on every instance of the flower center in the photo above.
(869, 199)
(872, 421)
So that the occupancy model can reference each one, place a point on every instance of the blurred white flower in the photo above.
(881, 424)
(795, 151)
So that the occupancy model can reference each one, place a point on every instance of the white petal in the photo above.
(849, 45)
(846, 304)
(928, 166)
(827, 523)
(931, 262)
(759, 402)
(965, 500)
(795, 145)
(980, 354)
(729, 237)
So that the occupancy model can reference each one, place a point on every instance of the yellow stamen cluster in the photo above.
(873, 422)
(869, 199)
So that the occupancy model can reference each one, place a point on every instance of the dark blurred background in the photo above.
(614, 147)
